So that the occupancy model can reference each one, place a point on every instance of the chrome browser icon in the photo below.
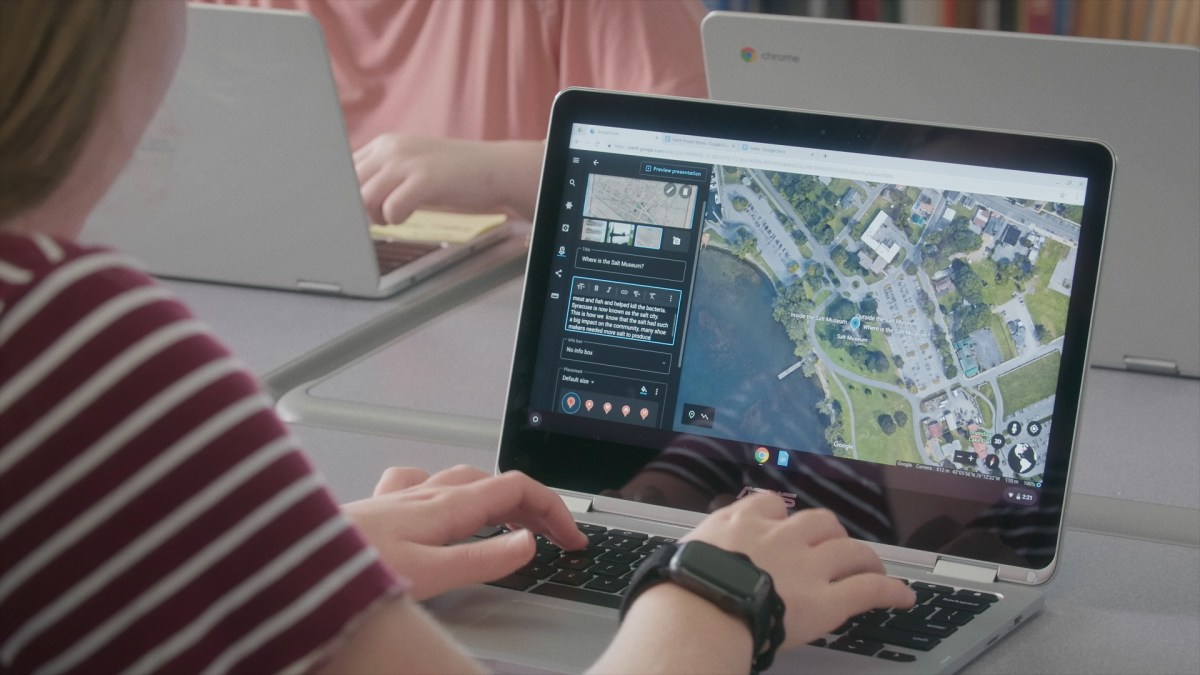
(749, 55)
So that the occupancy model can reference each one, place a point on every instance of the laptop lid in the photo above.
(245, 175)
(1140, 98)
(887, 319)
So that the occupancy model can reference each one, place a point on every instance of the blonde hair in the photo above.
(57, 59)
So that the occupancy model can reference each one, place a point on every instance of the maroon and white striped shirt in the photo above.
(155, 515)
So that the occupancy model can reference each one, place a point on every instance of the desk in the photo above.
(1116, 605)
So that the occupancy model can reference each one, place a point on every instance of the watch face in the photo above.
(719, 569)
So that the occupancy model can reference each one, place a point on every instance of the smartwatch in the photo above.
(728, 580)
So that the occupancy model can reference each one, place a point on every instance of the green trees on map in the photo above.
(840, 311)
(811, 200)
(973, 313)
(943, 243)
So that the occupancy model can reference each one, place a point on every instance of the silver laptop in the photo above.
(245, 175)
(1141, 99)
(886, 319)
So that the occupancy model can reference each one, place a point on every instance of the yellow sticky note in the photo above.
(440, 226)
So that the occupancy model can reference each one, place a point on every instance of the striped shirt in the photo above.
(155, 515)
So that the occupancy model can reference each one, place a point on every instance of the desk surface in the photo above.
(1116, 605)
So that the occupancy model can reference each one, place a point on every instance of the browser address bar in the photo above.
(957, 179)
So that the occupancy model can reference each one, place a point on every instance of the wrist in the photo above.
(685, 607)
(680, 632)
(728, 581)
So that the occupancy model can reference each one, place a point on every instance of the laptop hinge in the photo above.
(964, 572)
(318, 286)
(1145, 364)
(576, 504)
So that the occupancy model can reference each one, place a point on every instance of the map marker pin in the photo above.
(645, 412)
(588, 404)
(607, 407)
(625, 410)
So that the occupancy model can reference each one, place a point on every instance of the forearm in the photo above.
(399, 637)
(672, 630)
(517, 171)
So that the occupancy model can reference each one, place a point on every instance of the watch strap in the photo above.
(766, 628)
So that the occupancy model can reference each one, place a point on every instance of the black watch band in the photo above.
(727, 579)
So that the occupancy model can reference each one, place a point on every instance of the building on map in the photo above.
(925, 207)
(942, 283)
(874, 265)
(980, 220)
(1011, 236)
(993, 224)
(934, 429)
(948, 449)
(847, 198)
(879, 238)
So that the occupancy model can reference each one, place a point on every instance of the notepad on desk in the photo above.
(440, 226)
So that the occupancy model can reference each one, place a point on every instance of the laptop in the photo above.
(887, 319)
(1031, 83)
(245, 175)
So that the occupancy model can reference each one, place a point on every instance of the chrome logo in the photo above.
(749, 55)
(761, 455)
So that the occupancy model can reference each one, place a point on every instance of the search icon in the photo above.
(571, 182)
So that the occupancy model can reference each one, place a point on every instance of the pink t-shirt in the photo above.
(489, 69)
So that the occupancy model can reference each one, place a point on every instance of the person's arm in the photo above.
(822, 575)
(399, 174)
(672, 630)
(398, 637)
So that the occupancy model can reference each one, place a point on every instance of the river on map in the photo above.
(734, 353)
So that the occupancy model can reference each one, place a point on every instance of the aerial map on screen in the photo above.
(889, 323)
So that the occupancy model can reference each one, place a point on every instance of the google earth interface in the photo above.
(894, 311)
(925, 325)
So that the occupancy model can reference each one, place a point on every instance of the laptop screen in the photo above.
(885, 319)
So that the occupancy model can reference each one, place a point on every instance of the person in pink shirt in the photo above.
(447, 101)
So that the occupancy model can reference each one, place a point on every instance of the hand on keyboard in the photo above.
(414, 515)
(823, 576)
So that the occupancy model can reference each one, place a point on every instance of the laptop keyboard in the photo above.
(939, 612)
(393, 254)
(599, 575)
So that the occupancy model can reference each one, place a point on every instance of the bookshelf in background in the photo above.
(1173, 21)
